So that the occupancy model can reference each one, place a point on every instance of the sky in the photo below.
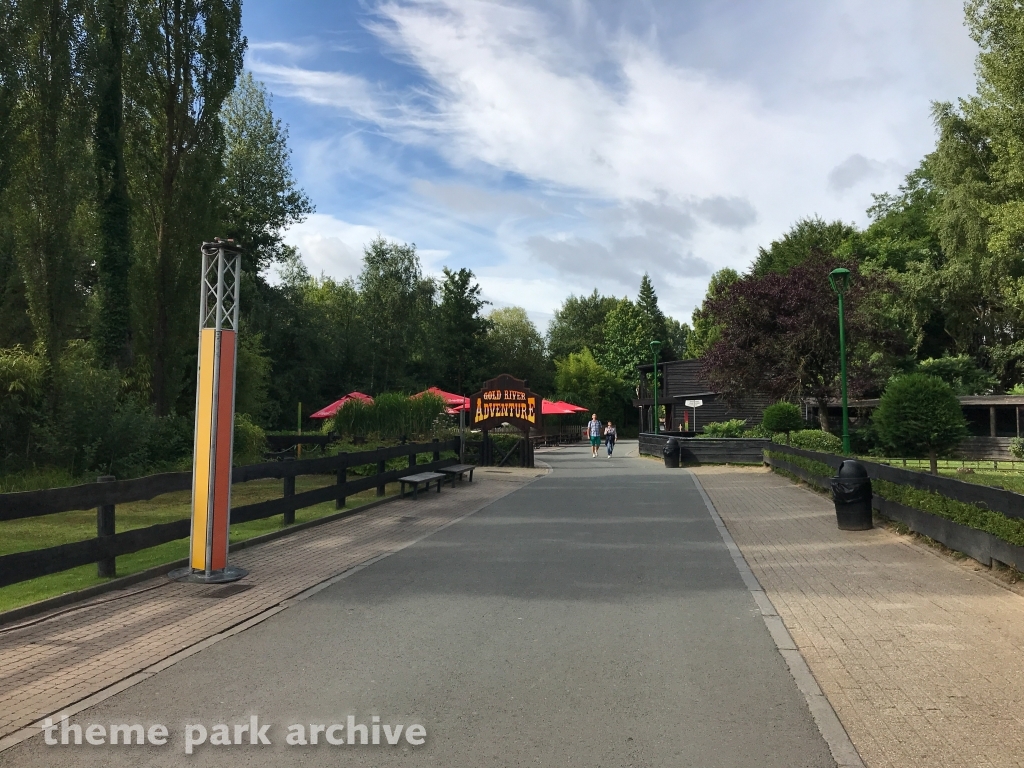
(558, 146)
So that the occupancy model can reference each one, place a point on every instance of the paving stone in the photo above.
(920, 657)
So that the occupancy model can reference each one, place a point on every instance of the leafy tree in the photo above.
(580, 379)
(517, 347)
(706, 328)
(782, 417)
(806, 238)
(261, 198)
(977, 167)
(655, 325)
(113, 333)
(961, 372)
(627, 341)
(183, 66)
(677, 335)
(252, 377)
(15, 325)
(579, 323)
(52, 179)
(780, 336)
(390, 285)
(902, 242)
(919, 415)
(462, 332)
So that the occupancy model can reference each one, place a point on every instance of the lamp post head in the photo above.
(839, 279)
(655, 346)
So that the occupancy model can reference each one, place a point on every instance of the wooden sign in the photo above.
(505, 400)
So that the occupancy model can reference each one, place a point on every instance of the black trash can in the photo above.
(671, 453)
(851, 492)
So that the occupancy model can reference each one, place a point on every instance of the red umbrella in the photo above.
(549, 408)
(572, 408)
(329, 410)
(455, 402)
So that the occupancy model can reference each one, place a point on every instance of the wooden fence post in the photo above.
(381, 469)
(412, 460)
(437, 450)
(107, 566)
(339, 503)
(289, 490)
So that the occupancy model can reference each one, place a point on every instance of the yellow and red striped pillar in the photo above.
(215, 415)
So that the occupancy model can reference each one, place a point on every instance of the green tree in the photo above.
(579, 323)
(261, 198)
(782, 417)
(517, 347)
(961, 372)
(52, 181)
(655, 325)
(627, 341)
(919, 415)
(113, 333)
(15, 325)
(805, 238)
(706, 328)
(580, 379)
(183, 66)
(978, 165)
(462, 332)
(678, 336)
(390, 288)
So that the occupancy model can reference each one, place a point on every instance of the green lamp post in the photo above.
(655, 346)
(839, 279)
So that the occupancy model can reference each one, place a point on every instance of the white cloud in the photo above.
(671, 149)
(331, 246)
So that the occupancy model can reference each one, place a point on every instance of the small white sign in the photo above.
(693, 403)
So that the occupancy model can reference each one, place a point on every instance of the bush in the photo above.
(390, 416)
(21, 396)
(730, 428)
(758, 431)
(919, 416)
(812, 440)
(782, 417)
(1017, 447)
(250, 440)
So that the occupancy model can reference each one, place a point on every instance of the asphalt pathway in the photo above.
(592, 618)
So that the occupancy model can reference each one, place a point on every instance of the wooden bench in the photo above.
(423, 478)
(458, 470)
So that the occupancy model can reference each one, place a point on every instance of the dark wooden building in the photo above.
(680, 381)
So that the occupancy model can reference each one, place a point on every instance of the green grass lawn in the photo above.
(1009, 475)
(67, 527)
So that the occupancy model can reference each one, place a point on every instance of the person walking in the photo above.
(609, 438)
(594, 430)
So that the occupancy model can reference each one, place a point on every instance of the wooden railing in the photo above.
(105, 496)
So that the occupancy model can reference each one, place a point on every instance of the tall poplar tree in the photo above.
(113, 333)
(186, 64)
(51, 179)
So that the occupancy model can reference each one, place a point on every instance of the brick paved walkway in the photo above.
(49, 665)
(921, 657)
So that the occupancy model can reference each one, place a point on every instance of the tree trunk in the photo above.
(934, 462)
(823, 413)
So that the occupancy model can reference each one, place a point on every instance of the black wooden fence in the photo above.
(707, 450)
(980, 545)
(104, 496)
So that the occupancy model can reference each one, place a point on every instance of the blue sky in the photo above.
(558, 146)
